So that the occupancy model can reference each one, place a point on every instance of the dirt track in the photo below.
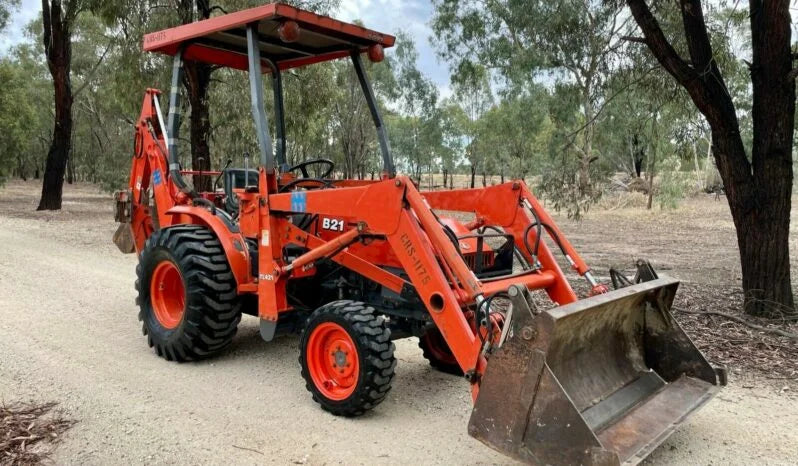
(69, 333)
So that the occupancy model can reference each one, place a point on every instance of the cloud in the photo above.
(412, 16)
(27, 12)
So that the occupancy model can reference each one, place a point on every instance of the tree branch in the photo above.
(660, 46)
(93, 70)
(47, 28)
(641, 40)
(695, 31)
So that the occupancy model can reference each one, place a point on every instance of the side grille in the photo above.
(488, 258)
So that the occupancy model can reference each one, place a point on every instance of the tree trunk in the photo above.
(652, 168)
(197, 81)
(58, 50)
(198, 78)
(638, 155)
(70, 178)
(473, 175)
(21, 171)
(587, 150)
(765, 223)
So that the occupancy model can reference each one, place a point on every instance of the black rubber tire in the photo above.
(213, 307)
(446, 364)
(375, 350)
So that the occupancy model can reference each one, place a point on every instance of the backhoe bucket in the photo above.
(602, 381)
(123, 239)
(123, 236)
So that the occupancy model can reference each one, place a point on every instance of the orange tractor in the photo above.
(352, 265)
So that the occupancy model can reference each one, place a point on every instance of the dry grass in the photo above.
(28, 432)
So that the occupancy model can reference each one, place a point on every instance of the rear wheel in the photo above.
(437, 352)
(347, 359)
(187, 296)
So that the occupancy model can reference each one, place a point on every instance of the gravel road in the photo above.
(69, 333)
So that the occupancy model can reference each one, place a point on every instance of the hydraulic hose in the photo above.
(174, 127)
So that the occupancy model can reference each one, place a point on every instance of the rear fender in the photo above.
(233, 243)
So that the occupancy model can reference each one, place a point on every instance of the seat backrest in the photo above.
(236, 178)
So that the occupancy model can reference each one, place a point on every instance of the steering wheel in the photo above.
(301, 181)
(303, 167)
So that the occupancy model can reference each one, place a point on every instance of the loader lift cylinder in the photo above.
(173, 126)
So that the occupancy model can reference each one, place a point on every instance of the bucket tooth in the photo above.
(602, 381)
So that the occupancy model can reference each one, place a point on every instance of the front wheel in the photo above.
(347, 359)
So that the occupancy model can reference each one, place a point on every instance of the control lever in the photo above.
(218, 178)
(246, 170)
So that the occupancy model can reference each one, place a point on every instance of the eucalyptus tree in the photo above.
(453, 124)
(58, 22)
(473, 92)
(758, 181)
(415, 134)
(17, 112)
(576, 43)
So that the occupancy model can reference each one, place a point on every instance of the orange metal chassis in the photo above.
(387, 223)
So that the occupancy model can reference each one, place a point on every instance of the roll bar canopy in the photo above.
(222, 40)
(268, 39)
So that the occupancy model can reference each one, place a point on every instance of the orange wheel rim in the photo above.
(438, 348)
(332, 361)
(167, 294)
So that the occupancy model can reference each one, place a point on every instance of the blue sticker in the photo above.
(156, 177)
(299, 202)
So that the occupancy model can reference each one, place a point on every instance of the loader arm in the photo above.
(586, 382)
(396, 211)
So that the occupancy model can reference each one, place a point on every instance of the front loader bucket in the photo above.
(602, 381)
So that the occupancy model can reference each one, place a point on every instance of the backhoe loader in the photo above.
(352, 265)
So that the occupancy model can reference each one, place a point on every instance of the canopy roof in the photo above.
(223, 40)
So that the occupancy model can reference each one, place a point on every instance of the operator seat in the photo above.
(236, 178)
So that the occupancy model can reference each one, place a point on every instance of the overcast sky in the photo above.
(386, 16)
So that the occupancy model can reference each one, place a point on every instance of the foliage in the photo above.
(673, 184)
(525, 42)
(15, 113)
(517, 109)
(6, 7)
